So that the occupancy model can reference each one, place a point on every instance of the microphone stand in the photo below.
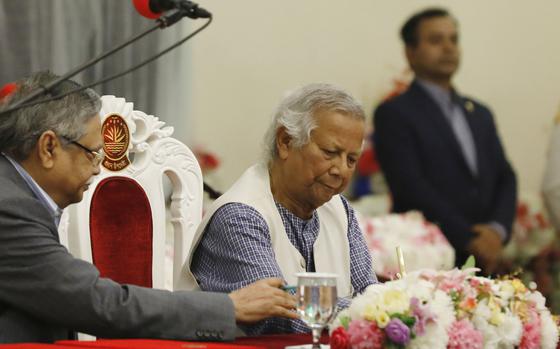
(187, 9)
(212, 193)
(162, 22)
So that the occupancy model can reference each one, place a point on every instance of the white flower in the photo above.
(495, 285)
(395, 301)
(421, 289)
(491, 339)
(482, 311)
(435, 337)
(549, 331)
(489, 332)
(376, 289)
(359, 304)
(510, 331)
(538, 299)
(442, 306)
(506, 291)
(503, 334)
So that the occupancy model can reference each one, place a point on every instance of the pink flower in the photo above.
(433, 235)
(531, 338)
(423, 316)
(453, 281)
(481, 286)
(365, 335)
(462, 335)
(369, 228)
(339, 339)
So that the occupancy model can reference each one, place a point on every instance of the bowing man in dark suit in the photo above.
(440, 151)
(49, 153)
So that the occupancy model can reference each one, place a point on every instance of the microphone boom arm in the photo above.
(162, 22)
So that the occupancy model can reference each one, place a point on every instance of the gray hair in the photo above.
(296, 113)
(20, 129)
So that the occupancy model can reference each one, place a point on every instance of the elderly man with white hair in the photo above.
(285, 215)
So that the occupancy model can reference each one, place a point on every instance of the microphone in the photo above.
(184, 8)
(153, 8)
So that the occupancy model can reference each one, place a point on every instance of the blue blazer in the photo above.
(426, 170)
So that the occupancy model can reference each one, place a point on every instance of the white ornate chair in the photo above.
(120, 225)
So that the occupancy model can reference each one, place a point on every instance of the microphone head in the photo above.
(202, 13)
(143, 8)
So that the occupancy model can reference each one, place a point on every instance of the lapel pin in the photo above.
(469, 106)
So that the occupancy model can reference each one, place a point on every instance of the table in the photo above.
(259, 342)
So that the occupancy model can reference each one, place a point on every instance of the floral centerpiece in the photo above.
(534, 249)
(423, 244)
(446, 309)
(532, 233)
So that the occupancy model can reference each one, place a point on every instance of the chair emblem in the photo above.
(117, 137)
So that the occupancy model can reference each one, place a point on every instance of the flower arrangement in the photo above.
(534, 250)
(446, 309)
(532, 233)
(423, 244)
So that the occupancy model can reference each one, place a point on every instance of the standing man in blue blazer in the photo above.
(440, 151)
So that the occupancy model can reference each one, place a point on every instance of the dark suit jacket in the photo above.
(426, 170)
(45, 293)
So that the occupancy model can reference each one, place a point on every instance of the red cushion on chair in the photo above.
(121, 231)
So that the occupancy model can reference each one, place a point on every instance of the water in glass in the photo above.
(316, 304)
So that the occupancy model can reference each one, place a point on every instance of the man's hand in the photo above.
(486, 246)
(262, 299)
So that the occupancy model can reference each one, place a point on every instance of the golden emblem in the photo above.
(469, 106)
(117, 138)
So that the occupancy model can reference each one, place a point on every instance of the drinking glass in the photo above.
(316, 301)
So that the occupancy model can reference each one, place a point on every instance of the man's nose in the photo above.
(450, 45)
(97, 169)
(341, 167)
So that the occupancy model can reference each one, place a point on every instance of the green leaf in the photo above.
(345, 321)
(407, 320)
(391, 345)
(470, 263)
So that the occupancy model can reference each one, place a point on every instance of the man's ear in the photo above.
(409, 53)
(47, 148)
(283, 140)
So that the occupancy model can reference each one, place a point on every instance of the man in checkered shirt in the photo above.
(285, 215)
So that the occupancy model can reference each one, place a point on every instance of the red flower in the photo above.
(7, 89)
(543, 224)
(367, 163)
(206, 159)
(522, 209)
(209, 161)
(339, 339)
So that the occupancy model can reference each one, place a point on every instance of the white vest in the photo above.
(331, 250)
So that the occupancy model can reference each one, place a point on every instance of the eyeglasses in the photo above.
(96, 156)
